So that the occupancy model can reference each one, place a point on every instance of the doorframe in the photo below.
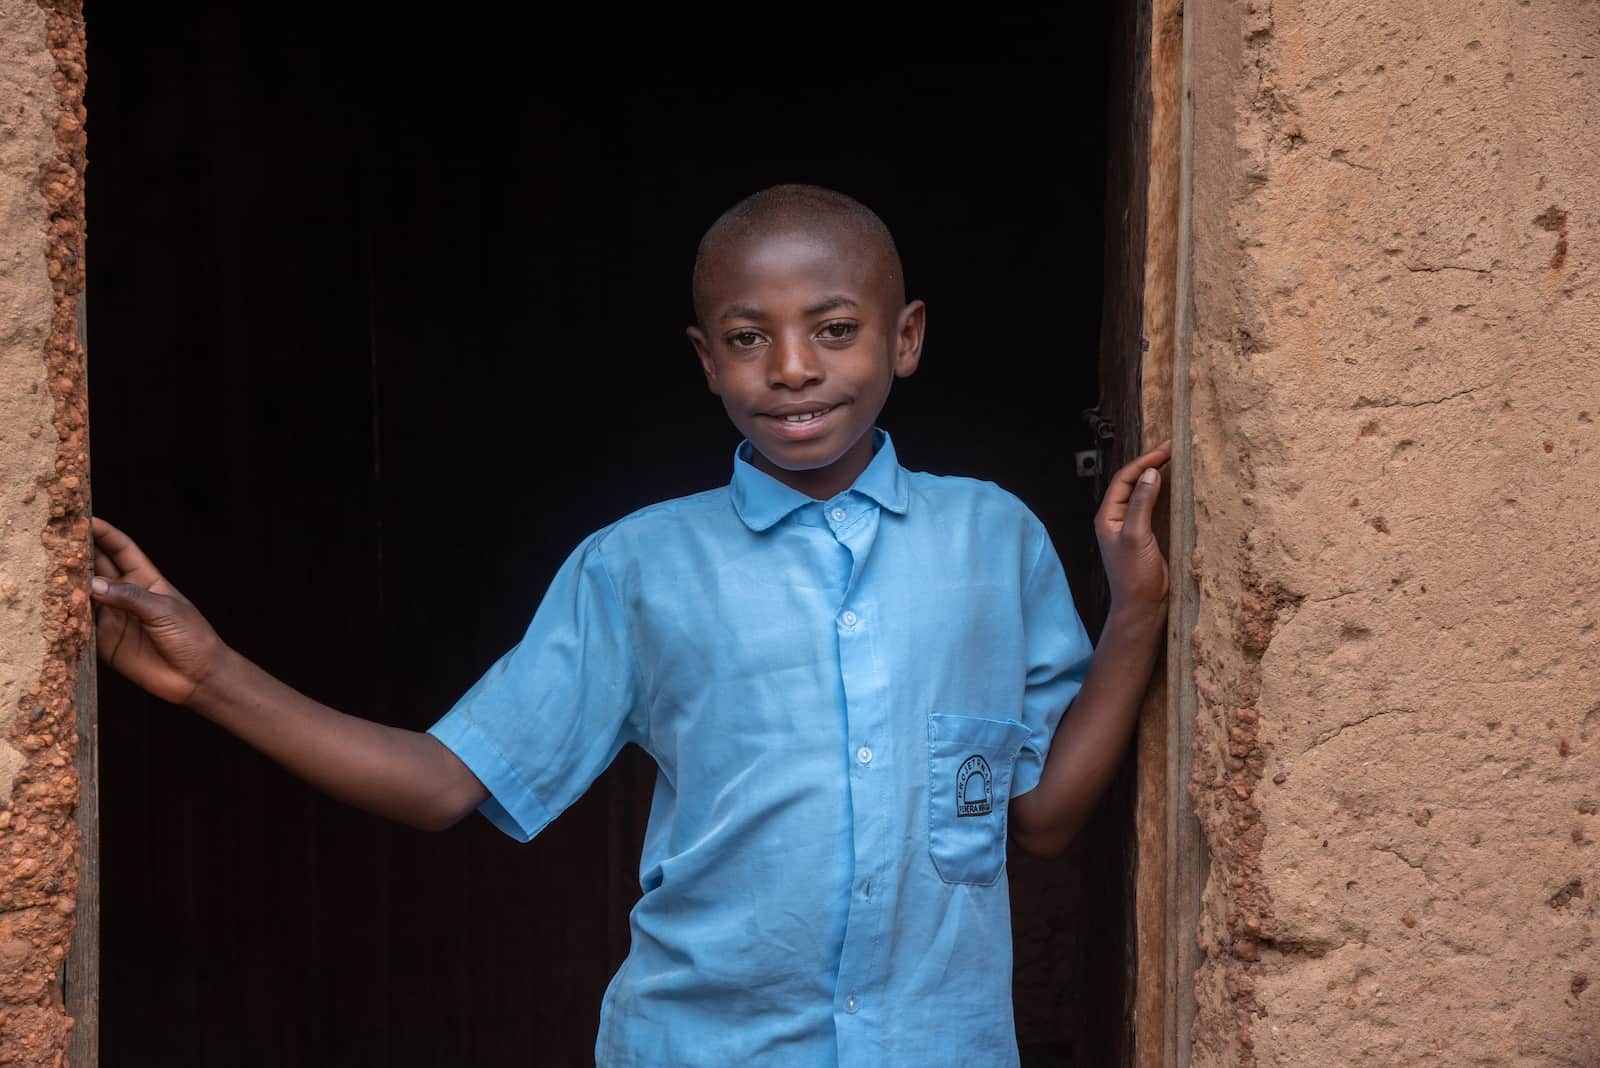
(1169, 872)
(1171, 856)
(80, 971)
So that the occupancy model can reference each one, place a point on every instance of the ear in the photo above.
(908, 338)
(702, 349)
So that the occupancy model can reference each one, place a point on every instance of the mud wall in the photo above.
(43, 493)
(1395, 372)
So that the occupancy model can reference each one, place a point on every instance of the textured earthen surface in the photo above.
(44, 609)
(1396, 383)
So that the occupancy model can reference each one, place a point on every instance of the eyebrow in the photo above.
(741, 311)
(827, 304)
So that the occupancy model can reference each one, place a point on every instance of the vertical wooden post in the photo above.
(1167, 883)
(80, 980)
(1124, 349)
(1188, 851)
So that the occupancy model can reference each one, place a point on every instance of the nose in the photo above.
(792, 364)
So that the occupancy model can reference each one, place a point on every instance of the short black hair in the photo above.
(801, 207)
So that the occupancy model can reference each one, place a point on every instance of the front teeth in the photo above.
(805, 417)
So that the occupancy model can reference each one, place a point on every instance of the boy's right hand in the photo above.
(147, 630)
(152, 634)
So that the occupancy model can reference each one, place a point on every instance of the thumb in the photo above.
(1140, 506)
(132, 598)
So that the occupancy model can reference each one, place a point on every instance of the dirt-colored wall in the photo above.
(1396, 383)
(43, 492)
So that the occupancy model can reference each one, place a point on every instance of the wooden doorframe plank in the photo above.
(1186, 857)
(80, 978)
(80, 974)
(1167, 881)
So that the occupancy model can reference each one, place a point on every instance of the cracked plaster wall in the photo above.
(1396, 382)
(43, 533)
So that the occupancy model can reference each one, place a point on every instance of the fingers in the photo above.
(131, 562)
(1158, 456)
(1125, 484)
(132, 598)
(104, 567)
(1136, 524)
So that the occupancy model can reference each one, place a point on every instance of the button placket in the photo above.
(856, 528)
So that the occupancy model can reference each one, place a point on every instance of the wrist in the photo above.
(222, 680)
(1136, 620)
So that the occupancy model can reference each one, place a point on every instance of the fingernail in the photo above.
(1149, 475)
(99, 585)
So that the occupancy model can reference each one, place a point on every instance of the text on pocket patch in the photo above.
(974, 787)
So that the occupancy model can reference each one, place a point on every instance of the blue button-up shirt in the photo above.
(842, 697)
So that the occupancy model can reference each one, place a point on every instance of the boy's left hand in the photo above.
(1134, 565)
(1094, 732)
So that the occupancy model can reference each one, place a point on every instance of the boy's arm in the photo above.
(151, 633)
(1088, 746)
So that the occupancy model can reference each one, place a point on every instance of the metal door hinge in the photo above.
(1091, 463)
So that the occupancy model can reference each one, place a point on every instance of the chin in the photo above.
(801, 456)
(813, 454)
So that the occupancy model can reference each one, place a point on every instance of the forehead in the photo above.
(774, 268)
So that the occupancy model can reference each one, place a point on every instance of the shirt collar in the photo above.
(762, 501)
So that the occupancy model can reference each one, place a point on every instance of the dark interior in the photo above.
(386, 312)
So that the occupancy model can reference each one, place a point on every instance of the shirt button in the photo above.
(851, 1004)
(849, 618)
(838, 515)
(864, 755)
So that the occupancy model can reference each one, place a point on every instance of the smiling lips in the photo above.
(798, 420)
(800, 413)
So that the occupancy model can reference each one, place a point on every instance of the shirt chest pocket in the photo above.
(969, 784)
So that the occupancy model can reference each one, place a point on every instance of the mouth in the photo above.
(801, 420)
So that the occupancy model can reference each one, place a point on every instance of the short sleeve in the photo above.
(1058, 652)
(552, 713)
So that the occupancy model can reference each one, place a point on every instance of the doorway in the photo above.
(387, 308)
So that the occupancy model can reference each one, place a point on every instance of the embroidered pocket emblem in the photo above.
(974, 792)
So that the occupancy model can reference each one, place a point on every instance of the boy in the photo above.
(849, 675)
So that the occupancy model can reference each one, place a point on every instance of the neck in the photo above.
(821, 483)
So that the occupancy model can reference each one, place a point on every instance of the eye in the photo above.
(743, 339)
(838, 330)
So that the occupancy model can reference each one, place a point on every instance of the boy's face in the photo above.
(801, 334)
